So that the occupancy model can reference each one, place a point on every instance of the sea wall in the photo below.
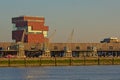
(29, 62)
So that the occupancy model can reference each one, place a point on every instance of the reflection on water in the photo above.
(61, 73)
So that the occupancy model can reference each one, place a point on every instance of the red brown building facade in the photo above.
(29, 29)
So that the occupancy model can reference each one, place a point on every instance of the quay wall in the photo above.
(54, 61)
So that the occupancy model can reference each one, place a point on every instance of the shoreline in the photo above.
(37, 62)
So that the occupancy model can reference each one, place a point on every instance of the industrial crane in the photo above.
(50, 37)
(68, 44)
(47, 43)
(14, 46)
(21, 45)
(70, 39)
(23, 36)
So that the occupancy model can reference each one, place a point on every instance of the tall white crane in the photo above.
(47, 43)
(69, 41)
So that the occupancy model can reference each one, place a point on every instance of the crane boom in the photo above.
(52, 35)
(23, 36)
(71, 37)
(69, 41)
(46, 44)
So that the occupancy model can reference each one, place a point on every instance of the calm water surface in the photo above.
(61, 73)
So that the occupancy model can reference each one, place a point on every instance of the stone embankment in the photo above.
(57, 61)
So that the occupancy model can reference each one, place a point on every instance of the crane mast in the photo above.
(69, 41)
(47, 43)
(21, 45)
(68, 51)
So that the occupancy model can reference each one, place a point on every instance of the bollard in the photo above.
(9, 62)
(112, 60)
(84, 60)
(98, 60)
(55, 61)
(70, 60)
(40, 61)
(25, 62)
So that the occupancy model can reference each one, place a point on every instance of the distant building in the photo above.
(111, 40)
(29, 29)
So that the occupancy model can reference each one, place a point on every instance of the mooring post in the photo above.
(55, 61)
(25, 62)
(98, 60)
(70, 60)
(84, 60)
(40, 61)
(112, 59)
(8, 61)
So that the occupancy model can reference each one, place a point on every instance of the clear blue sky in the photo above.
(92, 20)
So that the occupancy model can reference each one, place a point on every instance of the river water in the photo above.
(109, 72)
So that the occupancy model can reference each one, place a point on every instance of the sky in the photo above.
(92, 20)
